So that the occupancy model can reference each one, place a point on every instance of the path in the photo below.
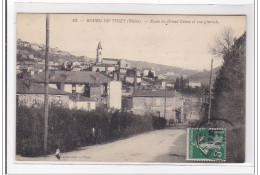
(167, 145)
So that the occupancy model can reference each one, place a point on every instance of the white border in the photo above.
(156, 7)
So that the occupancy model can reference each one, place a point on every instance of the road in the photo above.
(167, 145)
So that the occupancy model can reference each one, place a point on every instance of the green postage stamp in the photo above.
(206, 144)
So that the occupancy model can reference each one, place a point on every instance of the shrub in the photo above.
(71, 129)
(159, 122)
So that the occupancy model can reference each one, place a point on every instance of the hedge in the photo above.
(70, 129)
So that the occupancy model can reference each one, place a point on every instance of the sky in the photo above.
(175, 40)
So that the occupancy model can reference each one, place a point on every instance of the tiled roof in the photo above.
(72, 77)
(111, 59)
(153, 93)
(35, 88)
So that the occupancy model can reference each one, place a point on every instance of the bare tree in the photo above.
(223, 43)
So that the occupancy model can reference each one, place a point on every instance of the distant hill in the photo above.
(204, 76)
(26, 50)
(169, 71)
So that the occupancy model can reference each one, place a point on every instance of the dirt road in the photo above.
(167, 145)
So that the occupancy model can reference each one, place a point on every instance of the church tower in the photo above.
(99, 48)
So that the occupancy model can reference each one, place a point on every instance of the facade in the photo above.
(111, 61)
(115, 95)
(81, 102)
(160, 103)
(161, 77)
(124, 64)
(32, 94)
(99, 68)
(193, 84)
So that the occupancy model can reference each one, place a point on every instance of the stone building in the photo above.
(159, 103)
(32, 94)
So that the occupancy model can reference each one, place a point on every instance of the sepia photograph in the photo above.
(130, 88)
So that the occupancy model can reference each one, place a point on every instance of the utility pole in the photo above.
(165, 103)
(46, 110)
(210, 84)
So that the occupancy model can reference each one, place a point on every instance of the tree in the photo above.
(177, 83)
(223, 43)
(181, 83)
(229, 94)
(150, 74)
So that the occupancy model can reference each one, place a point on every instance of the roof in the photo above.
(153, 93)
(144, 80)
(99, 45)
(111, 59)
(72, 77)
(103, 65)
(35, 88)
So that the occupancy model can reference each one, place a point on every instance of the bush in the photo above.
(71, 129)
(159, 122)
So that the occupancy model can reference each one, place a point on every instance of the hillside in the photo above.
(26, 50)
(173, 72)
(204, 76)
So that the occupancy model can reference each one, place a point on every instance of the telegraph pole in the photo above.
(165, 102)
(46, 110)
(210, 84)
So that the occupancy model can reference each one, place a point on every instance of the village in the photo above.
(110, 83)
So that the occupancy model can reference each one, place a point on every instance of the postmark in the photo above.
(206, 144)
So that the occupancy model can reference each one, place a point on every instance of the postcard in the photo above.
(130, 88)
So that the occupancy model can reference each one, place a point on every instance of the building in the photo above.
(93, 85)
(115, 95)
(112, 61)
(32, 94)
(146, 72)
(99, 68)
(159, 103)
(99, 53)
(161, 77)
(76, 68)
(193, 84)
(78, 101)
(124, 64)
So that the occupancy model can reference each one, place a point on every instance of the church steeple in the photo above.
(99, 56)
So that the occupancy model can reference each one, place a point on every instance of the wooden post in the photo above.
(164, 103)
(46, 110)
(210, 84)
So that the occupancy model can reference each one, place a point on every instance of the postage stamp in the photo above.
(206, 144)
